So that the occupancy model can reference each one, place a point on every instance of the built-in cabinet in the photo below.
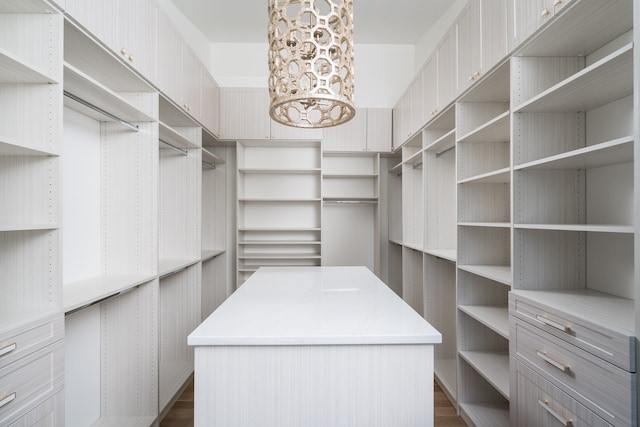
(106, 267)
(279, 205)
(529, 214)
(31, 319)
(370, 130)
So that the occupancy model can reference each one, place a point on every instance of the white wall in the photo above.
(382, 72)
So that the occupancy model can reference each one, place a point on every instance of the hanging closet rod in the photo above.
(211, 165)
(101, 300)
(179, 150)
(417, 165)
(171, 273)
(350, 202)
(445, 151)
(87, 104)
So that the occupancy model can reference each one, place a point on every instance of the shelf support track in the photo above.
(453, 147)
(87, 104)
(173, 147)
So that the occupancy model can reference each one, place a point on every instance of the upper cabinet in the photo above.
(210, 104)
(246, 116)
(124, 26)
(528, 16)
(369, 130)
(482, 39)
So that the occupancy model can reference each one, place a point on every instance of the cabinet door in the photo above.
(136, 21)
(495, 44)
(446, 86)
(244, 113)
(528, 16)
(350, 136)
(415, 113)
(210, 104)
(169, 78)
(379, 130)
(399, 133)
(430, 87)
(99, 17)
(192, 83)
(279, 131)
(469, 45)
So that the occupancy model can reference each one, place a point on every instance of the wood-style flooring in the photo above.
(181, 413)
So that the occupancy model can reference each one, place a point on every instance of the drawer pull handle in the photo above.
(542, 355)
(7, 398)
(555, 325)
(549, 409)
(8, 349)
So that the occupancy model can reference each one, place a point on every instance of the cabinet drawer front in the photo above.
(30, 380)
(47, 414)
(606, 344)
(20, 342)
(538, 403)
(608, 388)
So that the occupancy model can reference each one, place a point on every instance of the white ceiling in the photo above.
(375, 21)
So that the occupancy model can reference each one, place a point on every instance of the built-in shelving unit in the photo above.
(31, 300)
(350, 211)
(279, 205)
(110, 243)
(484, 245)
(439, 258)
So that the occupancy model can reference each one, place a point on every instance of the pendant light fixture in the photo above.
(311, 62)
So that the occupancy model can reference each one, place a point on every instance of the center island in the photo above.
(314, 347)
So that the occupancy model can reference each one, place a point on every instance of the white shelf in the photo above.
(93, 290)
(171, 136)
(581, 28)
(493, 317)
(448, 254)
(11, 147)
(279, 229)
(595, 307)
(593, 228)
(279, 256)
(95, 93)
(412, 246)
(278, 242)
(604, 81)
(173, 375)
(168, 266)
(269, 200)
(208, 156)
(445, 142)
(500, 176)
(348, 176)
(396, 168)
(349, 200)
(445, 120)
(26, 6)
(15, 70)
(266, 171)
(495, 130)
(414, 159)
(27, 227)
(604, 154)
(207, 254)
(491, 365)
(396, 242)
(498, 273)
(487, 414)
(485, 224)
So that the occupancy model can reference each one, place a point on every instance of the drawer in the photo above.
(29, 381)
(602, 387)
(48, 413)
(21, 341)
(535, 402)
(609, 345)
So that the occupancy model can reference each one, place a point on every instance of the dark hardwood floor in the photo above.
(181, 413)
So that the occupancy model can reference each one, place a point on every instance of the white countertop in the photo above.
(314, 306)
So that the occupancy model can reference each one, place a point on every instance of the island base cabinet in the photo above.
(314, 385)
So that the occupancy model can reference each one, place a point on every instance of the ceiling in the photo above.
(375, 21)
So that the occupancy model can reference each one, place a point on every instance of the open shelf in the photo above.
(593, 228)
(446, 376)
(491, 365)
(443, 143)
(594, 156)
(124, 422)
(96, 289)
(490, 414)
(209, 157)
(497, 129)
(169, 135)
(499, 273)
(15, 70)
(485, 224)
(169, 266)
(606, 80)
(313, 171)
(447, 254)
(11, 147)
(207, 254)
(495, 318)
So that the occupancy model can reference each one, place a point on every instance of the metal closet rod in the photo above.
(179, 150)
(211, 165)
(453, 147)
(87, 104)
(417, 165)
